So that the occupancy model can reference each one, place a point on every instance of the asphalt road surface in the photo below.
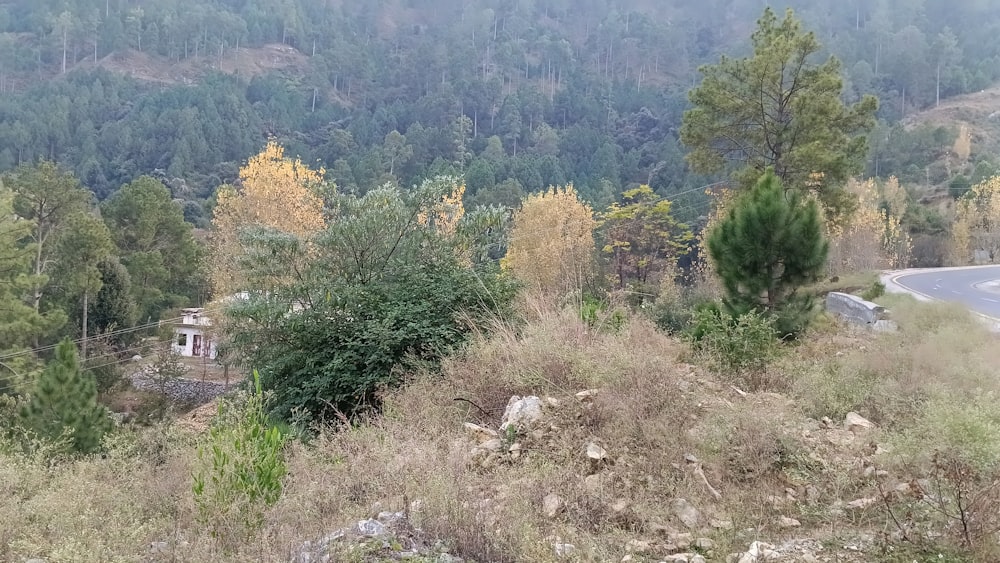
(977, 288)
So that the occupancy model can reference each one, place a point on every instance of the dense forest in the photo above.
(515, 95)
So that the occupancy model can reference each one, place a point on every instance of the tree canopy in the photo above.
(778, 109)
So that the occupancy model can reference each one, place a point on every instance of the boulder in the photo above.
(854, 422)
(521, 413)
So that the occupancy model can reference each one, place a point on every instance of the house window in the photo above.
(182, 339)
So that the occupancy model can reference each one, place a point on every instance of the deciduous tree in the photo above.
(976, 231)
(552, 241)
(642, 238)
(274, 192)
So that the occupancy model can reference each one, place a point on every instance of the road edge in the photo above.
(890, 279)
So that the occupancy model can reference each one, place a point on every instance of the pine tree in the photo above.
(769, 245)
(64, 403)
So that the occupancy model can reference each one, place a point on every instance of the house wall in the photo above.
(187, 347)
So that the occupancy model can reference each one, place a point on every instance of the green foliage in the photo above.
(113, 309)
(642, 237)
(769, 245)
(63, 402)
(597, 314)
(778, 110)
(738, 347)
(241, 468)
(155, 245)
(380, 291)
(876, 290)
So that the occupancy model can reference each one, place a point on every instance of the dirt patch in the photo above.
(242, 62)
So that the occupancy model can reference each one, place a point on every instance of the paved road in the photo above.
(977, 288)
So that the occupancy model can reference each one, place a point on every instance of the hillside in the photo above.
(515, 95)
(623, 445)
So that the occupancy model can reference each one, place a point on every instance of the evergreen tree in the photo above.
(769, 245)
(777, 109)
(64, 403)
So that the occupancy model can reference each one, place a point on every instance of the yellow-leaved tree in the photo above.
(975, 235)
(274, 192)
(871, 237)
(552, 242)
(445, 214)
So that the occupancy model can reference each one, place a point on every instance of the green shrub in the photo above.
(241, 469)
(876, 290)
(739, 347)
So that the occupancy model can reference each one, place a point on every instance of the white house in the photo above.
(192, 336)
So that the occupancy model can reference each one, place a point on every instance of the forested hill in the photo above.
(516, 94)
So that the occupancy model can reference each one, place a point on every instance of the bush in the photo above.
(876, 290)
(241, 469)
(739, 347)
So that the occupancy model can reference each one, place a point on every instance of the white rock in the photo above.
(137, 358)
(758, 551)
(704, 544)
(159, 547)
(521, 414)
(552, 402)
(689, 515)
(681, 540)
(596, 453)
(552, 505)
(678, 558)
(494, 445)
(564, 549)
(854, 422)
(697, 558)
(370, 528)
(587, 396)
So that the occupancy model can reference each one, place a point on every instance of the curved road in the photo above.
(977, 287)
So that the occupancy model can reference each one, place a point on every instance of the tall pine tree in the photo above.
(64, 403)
(769, 245)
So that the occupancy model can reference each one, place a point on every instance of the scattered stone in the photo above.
(681, 540)
(494, 445)
(137, 358)
(704, 544)
(595, 453)
(552, 505)
(159, 547)
(689, 515)
(515, 450)
(757, 552)
(480, 434)
(697, 558)
(786, 522)
(552, 402)
(371, 528)
(564, 549)
(587, 396)
(854, 422)
(678, 558)
(619, 506)
(521, 414)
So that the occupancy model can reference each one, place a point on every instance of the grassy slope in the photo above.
(767, 454)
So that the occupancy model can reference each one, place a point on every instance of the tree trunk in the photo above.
(937, 101)
(83, 345)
